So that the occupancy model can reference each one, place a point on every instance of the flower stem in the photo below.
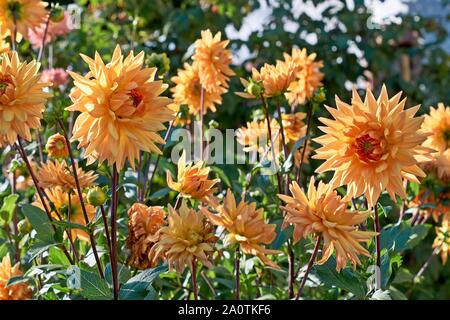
(15, 218)
(40, 193)
(237, 270)
(14, 34)
(308, 269)
(291, 274)
(403, 206)
(202, 102)
(114, 203)
(166, 137)
(378, 247)
(194, 279)
(305, 143)
(269, 130)
(41, 49)
(105, 225)
(80, 196)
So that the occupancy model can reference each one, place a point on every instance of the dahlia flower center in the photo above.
(60, 145)
(367, 148)
(194, 238)
(136, 96)
(446, 135)
(5, 81)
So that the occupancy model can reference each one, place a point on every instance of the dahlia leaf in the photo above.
(7, 209)
(94, 287)
(123, 272)
(138, 287)
(40, 222)
(346, 279)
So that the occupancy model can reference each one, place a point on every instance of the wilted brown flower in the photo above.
(143, 226)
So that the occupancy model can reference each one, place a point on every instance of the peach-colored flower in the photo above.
(54, 30)
(29, 14)
(18, 291)
(56, 146)
(56, 76)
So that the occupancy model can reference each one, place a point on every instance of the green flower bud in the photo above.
(24, 226)
(57, 14)
(96, 196)
(319, 96)
(160, 61)
(255, 88)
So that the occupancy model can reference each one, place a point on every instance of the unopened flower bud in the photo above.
(24, 226)
(57, 14)
(254, 88)
(96, 196)
(160, 61)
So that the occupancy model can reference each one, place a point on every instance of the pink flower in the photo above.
(57, 76)
(54, 29)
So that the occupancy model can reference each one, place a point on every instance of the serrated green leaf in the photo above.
(124, 273)
(402, 236)
(7, 209)
(56, 256)
(160, 193)
(94, 287)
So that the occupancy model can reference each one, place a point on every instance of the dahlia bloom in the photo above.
(57, 76)
(55, 29)
(442, 240)
(56, 146)
(437, 125)
(245, 225)
(255, 138)
(143, 226)
(439, 205)
(322, 212)
(372, 145)
(187, 238)
(213, 61)
(192, 181)
(30, 14)
(187, 91)
(121, 109)
(293, 125)
(60, 199)
(22, 98)
(18, 291)
(57, 174)
(308, 76)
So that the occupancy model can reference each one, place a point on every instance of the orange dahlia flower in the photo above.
(187, 238)
(192, 179)
(18, 291)
(21, 98)
(56, 146)
(29, 14)
(293, 125)
(322, 212)
(442, 240)
(308, 76)
(245, 225)
(187, 91)
(255, 138)
(60, 199)
(121, 109)
(372, 145)
(427, 204)
(143, 226)
(437, 125)
(213, 61)
(57, 174)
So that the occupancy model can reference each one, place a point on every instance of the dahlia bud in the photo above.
(56, 146)
(57, 14)
(319, 96)
(96, 196)
(254, 88)
(160, 61)
(24, 226)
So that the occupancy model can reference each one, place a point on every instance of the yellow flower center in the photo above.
(60, 145)
(193, 237)
(367, 148)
